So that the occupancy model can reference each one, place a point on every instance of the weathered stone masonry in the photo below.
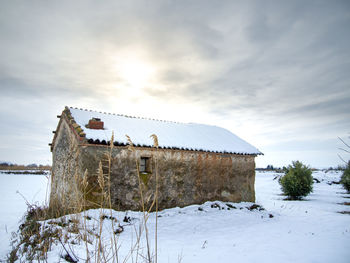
(184, 177)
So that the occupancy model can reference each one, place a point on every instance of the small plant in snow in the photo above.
(297, 181)
(345, 178)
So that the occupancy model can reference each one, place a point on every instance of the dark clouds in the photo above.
(280, 66)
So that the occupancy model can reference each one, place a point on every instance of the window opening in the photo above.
(145, 165)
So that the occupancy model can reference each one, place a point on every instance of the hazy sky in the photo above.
(275, 73)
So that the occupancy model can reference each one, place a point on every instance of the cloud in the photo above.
(279, 66)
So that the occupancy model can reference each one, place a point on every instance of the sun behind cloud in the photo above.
(134, 71)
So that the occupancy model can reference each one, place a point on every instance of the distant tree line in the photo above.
(270, 167)
(32, 166)
(284, 169)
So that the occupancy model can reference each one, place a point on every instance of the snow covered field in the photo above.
(299, 231)
(12, 204)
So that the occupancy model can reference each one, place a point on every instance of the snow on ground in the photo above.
(299, 231)
(12, 204)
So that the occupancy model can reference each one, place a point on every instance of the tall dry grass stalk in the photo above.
(101, 183)
(156, 145)
(146, 211)
(109, 197)
(145, 215)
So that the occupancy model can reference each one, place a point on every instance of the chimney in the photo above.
(95, 123)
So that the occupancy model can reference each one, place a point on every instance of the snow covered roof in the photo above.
(185, 136)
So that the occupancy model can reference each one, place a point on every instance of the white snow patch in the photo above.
(12, 204)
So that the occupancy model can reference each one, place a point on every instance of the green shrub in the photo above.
(297, 181)
(345, 178)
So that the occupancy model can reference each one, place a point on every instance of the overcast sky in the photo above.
(275, 73)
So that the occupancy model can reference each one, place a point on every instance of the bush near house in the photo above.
(345, 178)
(297, 181)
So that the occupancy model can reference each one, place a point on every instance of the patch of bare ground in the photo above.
(344, 212)
(345, 203)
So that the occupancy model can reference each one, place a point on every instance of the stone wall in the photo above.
(65, 154)
(184, 177)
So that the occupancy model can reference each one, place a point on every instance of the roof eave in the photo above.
(92, 142)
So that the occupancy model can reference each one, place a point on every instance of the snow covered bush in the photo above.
(297, 181)
(345, 178)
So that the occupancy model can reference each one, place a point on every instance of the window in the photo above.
(145, 166)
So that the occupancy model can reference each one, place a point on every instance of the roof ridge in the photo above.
(129, 116)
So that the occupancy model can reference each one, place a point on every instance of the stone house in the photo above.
(194, 163)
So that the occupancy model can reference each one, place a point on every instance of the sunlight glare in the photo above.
(135, 72)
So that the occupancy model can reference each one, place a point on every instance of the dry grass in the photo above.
(36, 236)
